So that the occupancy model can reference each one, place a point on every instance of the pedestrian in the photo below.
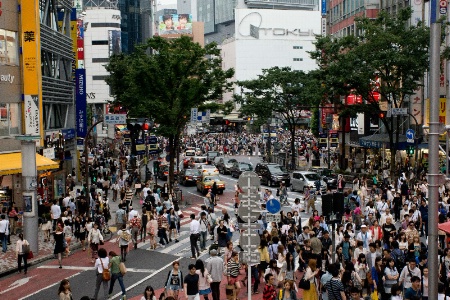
(191, 283)
(64, 291)
(121, 216)
(101, 263)
(144, 221)
(288, 291)
(214, 265)
(4, 232)
(221, 235)
(67, 230)
(194, 236)
(59, 249)
(152, 228)
(21, 254)
(204, 228)
(135, 225)
(174, 281)
(114, 265)
(94, 239)
(172, 219)
(269, 292)
(233, 269)
(163, 226)
(204, 278)
(149, 294)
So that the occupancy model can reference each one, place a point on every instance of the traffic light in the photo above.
(94, 175)
(410, 150)
(156, 167)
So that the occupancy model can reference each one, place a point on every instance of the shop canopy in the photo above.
(380, 139)
(11, 163)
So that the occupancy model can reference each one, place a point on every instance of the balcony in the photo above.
(283, 4)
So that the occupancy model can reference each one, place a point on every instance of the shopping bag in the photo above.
(230, 292)
(30, 255)
(374, 295)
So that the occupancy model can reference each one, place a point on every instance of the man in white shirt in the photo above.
(132, 213)
(385, 215)
(194, 229)
(145, 190)
(4, 232)
(407, 273)
(55, 210)
(66, 201)
(364, 236)
(296, 206)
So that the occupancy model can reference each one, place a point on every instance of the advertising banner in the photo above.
(81, 116)
(31, 60)
(175, 24)
(324, 7)
(114, 42)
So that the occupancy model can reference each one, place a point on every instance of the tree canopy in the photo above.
(164, 85)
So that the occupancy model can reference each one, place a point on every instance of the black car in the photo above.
(238, 167)
(224, 164)
(189, 176)
(331, 181)
(163, 173)
(272, 174)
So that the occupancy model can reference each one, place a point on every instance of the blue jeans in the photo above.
(118, 276)
(4, 239)
(203, 237)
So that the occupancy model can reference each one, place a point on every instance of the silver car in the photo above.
(302, 179)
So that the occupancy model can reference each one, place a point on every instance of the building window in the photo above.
(115, 25)
(298, 47)
(96, 43)
(10, 116)
(298, 59)
(99, 77)
(9, 48)
(100, 60)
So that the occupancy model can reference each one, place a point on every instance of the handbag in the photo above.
(30, 255)
(209, 278)
(230, 291)
(106, 275)
(122, 268)
(304, 284)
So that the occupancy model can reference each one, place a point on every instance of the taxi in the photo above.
(206, 183)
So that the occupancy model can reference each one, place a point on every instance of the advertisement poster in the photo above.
(31, 110)
(114, 42)
(175, 24)
(81, 116)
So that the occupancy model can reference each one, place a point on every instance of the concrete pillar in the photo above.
(29, 194)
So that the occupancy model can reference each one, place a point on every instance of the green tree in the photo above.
(387, 48)
(163, 86)
(279, 91)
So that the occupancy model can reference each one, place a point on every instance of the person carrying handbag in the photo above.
(101, 263)
(22, 250)
(94, 239)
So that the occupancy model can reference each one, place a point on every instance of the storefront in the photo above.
(11, 179)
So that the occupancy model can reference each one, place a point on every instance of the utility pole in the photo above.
(433, 151)
(86, 156)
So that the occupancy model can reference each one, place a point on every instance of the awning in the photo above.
(11, 163)
(444, 227)
(377, 141)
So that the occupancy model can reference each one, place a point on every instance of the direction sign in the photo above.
(410, 136)
(273, 206)
(254, 257)
(399, 111)
(251, 212)
(249, 180)
(116, 119)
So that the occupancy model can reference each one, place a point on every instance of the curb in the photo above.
(37, 261)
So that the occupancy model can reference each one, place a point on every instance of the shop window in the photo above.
(9, 48)
(10, 116)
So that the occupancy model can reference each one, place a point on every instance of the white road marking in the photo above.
(50, 286)
(93, 268)
(17, 283)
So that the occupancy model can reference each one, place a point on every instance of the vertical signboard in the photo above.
(114, 42)
(80, 44)
(324, 7)
(194, 112)
(73, 35)
(31, 61)
(81, 115)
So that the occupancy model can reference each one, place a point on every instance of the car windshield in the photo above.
(312, 176)
(211, 178)
(193, 172)
(213, 154)
(276, 169)
(247, 167)
(229, 160)
(208, 167)
(200, 159)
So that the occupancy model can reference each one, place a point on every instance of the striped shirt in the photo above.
(232, 268)
(162, 221)
(334, 288)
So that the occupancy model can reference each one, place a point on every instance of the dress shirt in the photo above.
(4, 224)
(194, 226)
(56, 211)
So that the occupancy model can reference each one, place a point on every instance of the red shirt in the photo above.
(135, 222)
(269, 292)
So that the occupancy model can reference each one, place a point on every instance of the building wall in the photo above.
(285, 36)
(97, 44)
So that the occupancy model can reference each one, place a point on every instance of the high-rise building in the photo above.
(131, 27)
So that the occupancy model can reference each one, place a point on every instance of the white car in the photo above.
(208, 170)
(302, 179)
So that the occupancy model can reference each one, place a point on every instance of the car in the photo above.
(189, 153)
(238, 167)
(303, 179)
(189, 176)
(163, 172)
(272, 174)
(224, 164)
(216, 160)
(199, 161)
(208, 170)
(206, 183)
(210, 155)
(331, 181)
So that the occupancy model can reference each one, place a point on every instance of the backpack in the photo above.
(399, 258)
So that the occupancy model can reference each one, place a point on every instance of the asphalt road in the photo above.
(144, 267)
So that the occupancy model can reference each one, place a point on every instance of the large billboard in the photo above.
(175, 24)
(31, 60)
(114, 42)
